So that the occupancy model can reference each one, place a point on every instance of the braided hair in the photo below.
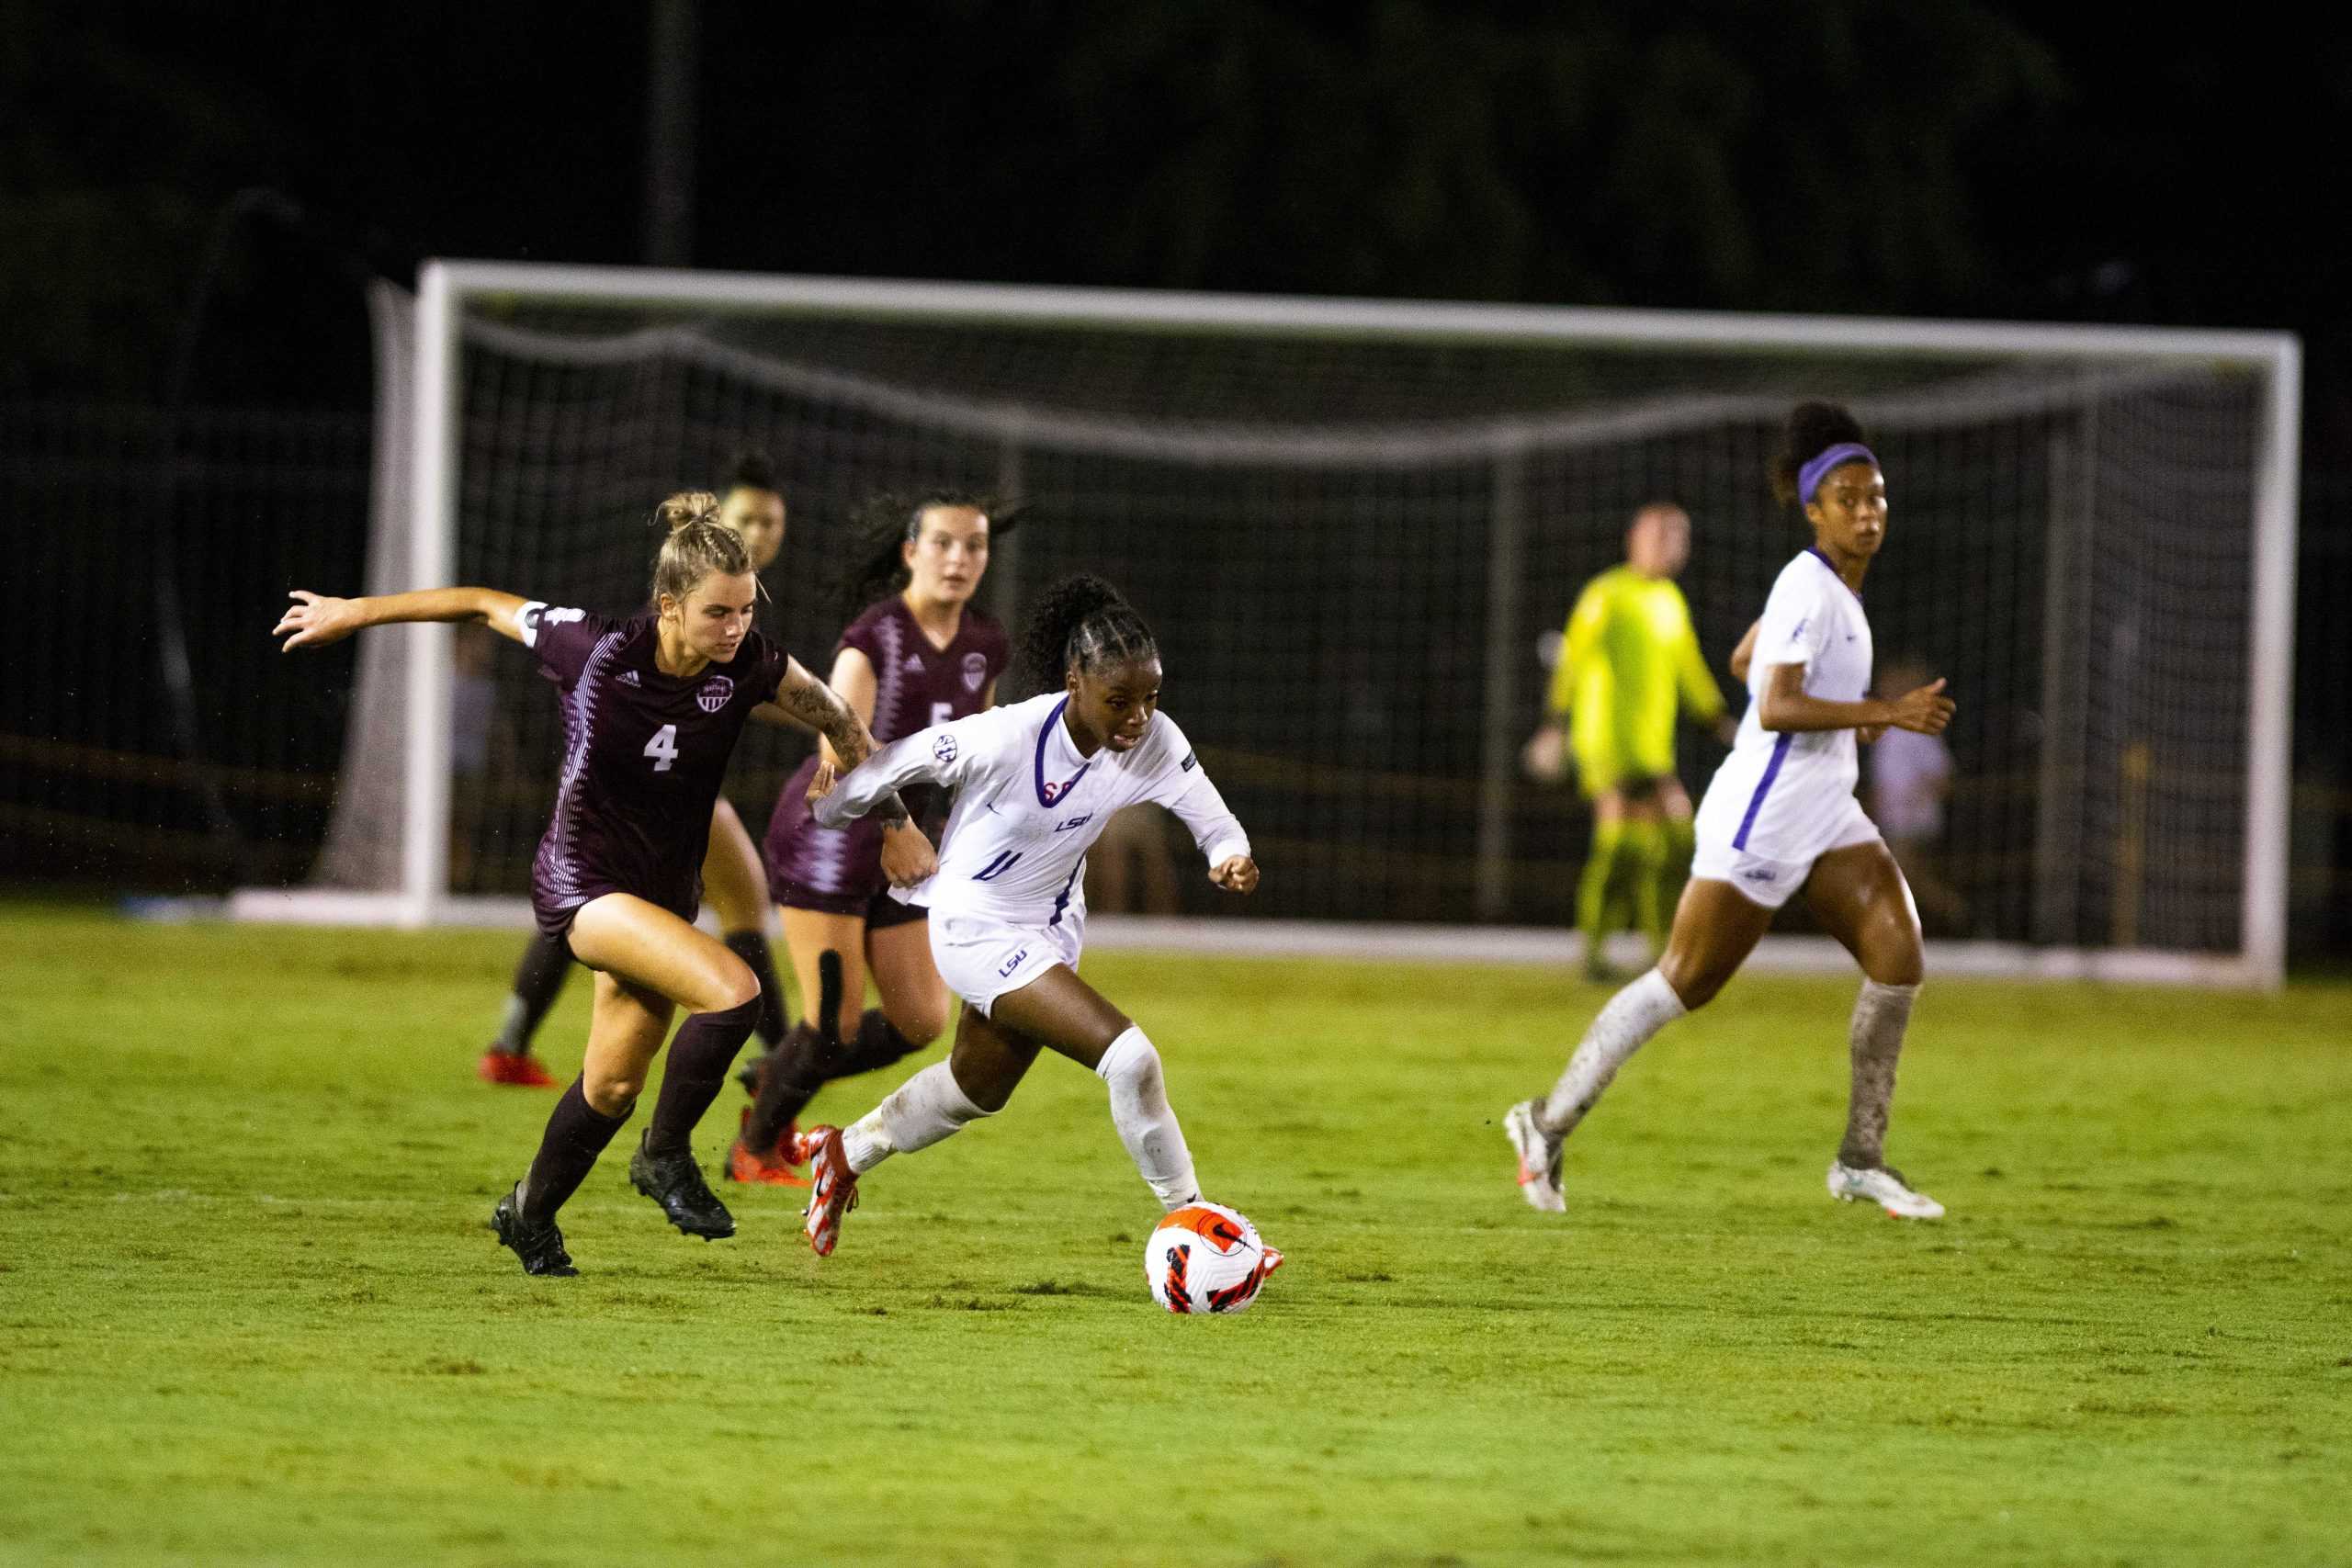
(694, 544)
(1084, 623)
(886, 521)
(1812, 429)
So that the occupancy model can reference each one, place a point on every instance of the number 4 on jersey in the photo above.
(664, 748)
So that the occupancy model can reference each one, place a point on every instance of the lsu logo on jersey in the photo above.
(714, 693)
(1074, 823)
(1010, 964)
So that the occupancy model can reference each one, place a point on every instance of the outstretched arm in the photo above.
(1218, 832)
(314, 620)
(802, 697)
(931, 756)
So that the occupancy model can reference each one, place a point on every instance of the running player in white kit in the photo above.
(1781, 815)
(1033, 785)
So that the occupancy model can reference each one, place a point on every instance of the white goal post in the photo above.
(2046, 366)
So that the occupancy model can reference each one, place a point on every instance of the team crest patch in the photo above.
(943, 749)
(714, 693)
(976, 670)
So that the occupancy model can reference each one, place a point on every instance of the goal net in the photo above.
(1351, 525)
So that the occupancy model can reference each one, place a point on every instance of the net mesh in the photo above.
(1351, 550)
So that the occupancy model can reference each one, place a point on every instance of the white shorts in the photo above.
(982, 960)
(1759, 872)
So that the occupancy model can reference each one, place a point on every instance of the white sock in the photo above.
(1624, 1027)
(1881, 1015)
(1139, 1110)
(926, 1108)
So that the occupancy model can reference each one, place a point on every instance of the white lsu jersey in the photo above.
(1027, 806)
(1787, 795)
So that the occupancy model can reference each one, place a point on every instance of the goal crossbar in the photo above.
(448, 289)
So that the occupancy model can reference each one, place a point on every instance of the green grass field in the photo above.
(251, 1312)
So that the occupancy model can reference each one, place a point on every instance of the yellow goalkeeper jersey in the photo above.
(1629, 654)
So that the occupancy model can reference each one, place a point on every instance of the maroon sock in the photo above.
(704, 1049)
(577, 1132)
(794, 1075)
(539, 980)
(752, 949)
(878, 1043)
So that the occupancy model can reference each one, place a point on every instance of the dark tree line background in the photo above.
(1939, 157)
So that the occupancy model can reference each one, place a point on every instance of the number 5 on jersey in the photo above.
(664, 748)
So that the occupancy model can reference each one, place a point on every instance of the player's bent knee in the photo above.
(733, 984)
(611, 1097)
(1131, 1066)
(1693, 985)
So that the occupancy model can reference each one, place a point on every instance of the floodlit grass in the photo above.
(249, 1311)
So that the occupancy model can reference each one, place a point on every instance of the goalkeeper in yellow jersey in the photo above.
(1628, 662)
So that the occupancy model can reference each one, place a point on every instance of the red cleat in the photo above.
(771, 1167)
(518, 1067)
(834, 1192)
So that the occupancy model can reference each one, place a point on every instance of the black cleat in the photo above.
(675, 1182)
(540, 1245)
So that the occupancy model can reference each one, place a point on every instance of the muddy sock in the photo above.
(1881, 1015)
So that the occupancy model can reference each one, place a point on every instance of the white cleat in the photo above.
(1884, 1187)
(1539, 1159)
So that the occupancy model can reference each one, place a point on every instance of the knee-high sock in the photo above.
(1881, 1015)
(1146, 1126)
(750, 946)
(704, 1049)
(793, 1077)
(577, 1132)
(920, 1111)
(1600, 869)
(539, 980)
(1646, 869)
(1622, 1027)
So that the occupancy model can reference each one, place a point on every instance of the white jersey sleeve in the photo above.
(1796, 622)
(1183, 785)
(943, 754)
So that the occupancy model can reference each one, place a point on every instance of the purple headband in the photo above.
(1809, 478)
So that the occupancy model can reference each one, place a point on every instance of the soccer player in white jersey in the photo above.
(1033, 785)
(1781, 816)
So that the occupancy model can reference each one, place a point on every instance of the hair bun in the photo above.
(685, 509)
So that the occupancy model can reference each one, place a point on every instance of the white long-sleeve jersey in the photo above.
(1027, 806)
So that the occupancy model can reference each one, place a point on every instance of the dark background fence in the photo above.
(141, 533)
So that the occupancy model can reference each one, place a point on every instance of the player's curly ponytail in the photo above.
(886, 521)
(694, 544)
(1082, 622)
(1812, 429)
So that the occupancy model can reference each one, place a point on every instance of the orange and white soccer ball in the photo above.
(1206, 1258)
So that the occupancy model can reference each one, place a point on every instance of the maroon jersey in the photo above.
(643, 754)
(839, 870)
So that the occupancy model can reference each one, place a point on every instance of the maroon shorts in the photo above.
(832, 871)
(554, 919)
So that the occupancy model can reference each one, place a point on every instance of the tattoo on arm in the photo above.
(822, 708)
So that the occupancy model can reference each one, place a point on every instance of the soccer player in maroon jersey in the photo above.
(731, 881)
(652, 705)
(916, 653)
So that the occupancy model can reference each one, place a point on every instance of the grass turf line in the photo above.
(251, 1312)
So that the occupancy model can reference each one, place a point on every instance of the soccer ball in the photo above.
(1206, 1258)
